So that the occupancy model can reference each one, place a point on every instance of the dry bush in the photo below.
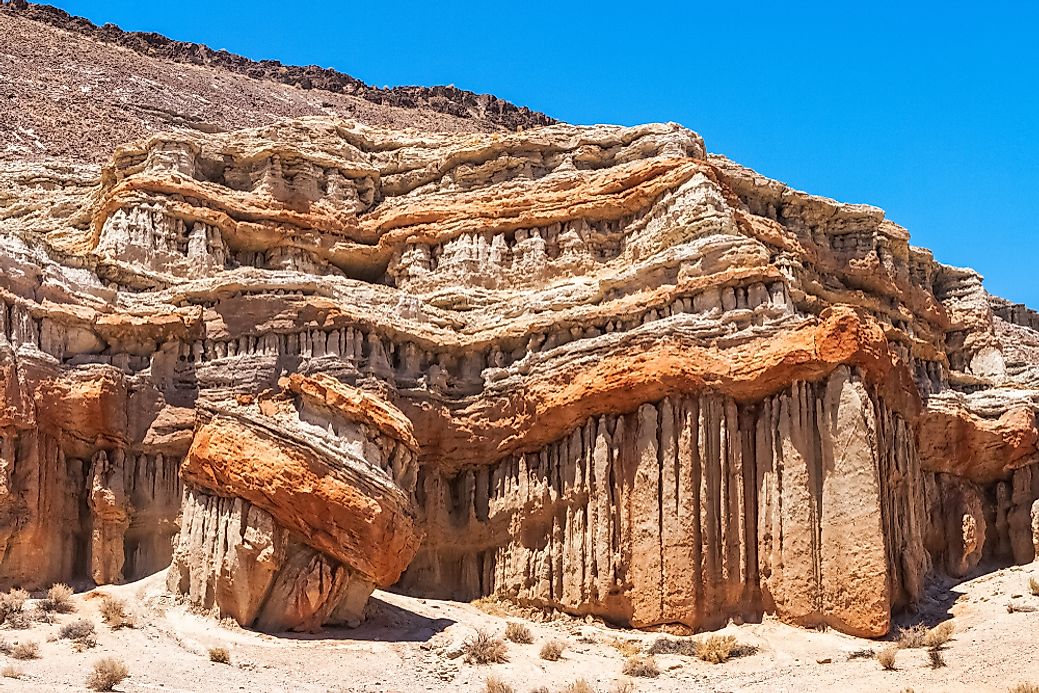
(107, 673)
(686, 648)
(886, 657)
(77, 630)
(26, 650)
(623, 686)
(940, 634)
(485, 649)
(220, 655)
(937, 661)
(637, 665)
(59, 598)
(578, 686)
(11, 672)
(862, 654)
(114, 613)
(913, 636)
(716, 648)
(12, 602)
(552, 650)
(493, 684)
(19, 620)
(1025, 688)
(517, 632)
(627, 648)
(1033, 586)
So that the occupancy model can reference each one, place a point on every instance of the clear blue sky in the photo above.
(929, 110)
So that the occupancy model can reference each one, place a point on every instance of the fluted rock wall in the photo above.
(695, 510)
(589, 369)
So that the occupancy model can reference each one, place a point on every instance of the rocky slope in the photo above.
(73, 90)
(587, 369)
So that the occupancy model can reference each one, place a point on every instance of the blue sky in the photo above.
(929, 110)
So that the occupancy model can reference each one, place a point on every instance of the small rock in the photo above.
(824, 660)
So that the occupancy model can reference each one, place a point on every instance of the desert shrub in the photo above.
(937, 660)
(578, 686)
(11, 672)
(220, 655)
(493, 684)
(940, 634)
(19, 620)
(77, 630)
(1025, 688)
(623, 686)
(107, 673)
(59, 599)
(625, 647)
(1033, 586)
(12, 602)
(886, 657)
(114, 613)
(716, 648)
(26, 650)
(673, 646)
(913, 636)
(484, 648)
(637, 665)
(517, 632)
(552, 650)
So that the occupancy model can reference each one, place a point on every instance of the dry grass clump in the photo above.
(939, 635)
(12, 602)
(11, 672)
(115, 613)
(552, 650)
(485, 649)
(886, 657)
(107, 673)
(637, 665)
(623, 686)
(721, 648)
(1025, 688)
(937, 660)
(912, 637)
(220, 655)
(489, 605)
(627, 648)
(517, 632)
(578, 686)
(493, 684)
(26, 650)
(59, 599)
(1033, 586)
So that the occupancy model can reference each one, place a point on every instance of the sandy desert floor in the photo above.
(413, 644)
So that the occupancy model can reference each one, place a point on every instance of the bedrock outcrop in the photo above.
(590, 369)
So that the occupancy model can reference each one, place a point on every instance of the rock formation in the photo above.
(592, 369)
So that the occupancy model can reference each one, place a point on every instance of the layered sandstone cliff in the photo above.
(592, 369)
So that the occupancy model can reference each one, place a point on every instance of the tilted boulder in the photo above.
(294, 508)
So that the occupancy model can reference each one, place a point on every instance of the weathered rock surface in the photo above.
(592, 369)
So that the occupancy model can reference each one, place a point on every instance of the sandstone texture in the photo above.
(588, 369)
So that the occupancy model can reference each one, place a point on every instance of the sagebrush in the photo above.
(484, 648)
(107, 674)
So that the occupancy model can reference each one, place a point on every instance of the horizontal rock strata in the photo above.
(592, 369)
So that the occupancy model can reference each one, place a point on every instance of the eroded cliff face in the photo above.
(592, 369)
